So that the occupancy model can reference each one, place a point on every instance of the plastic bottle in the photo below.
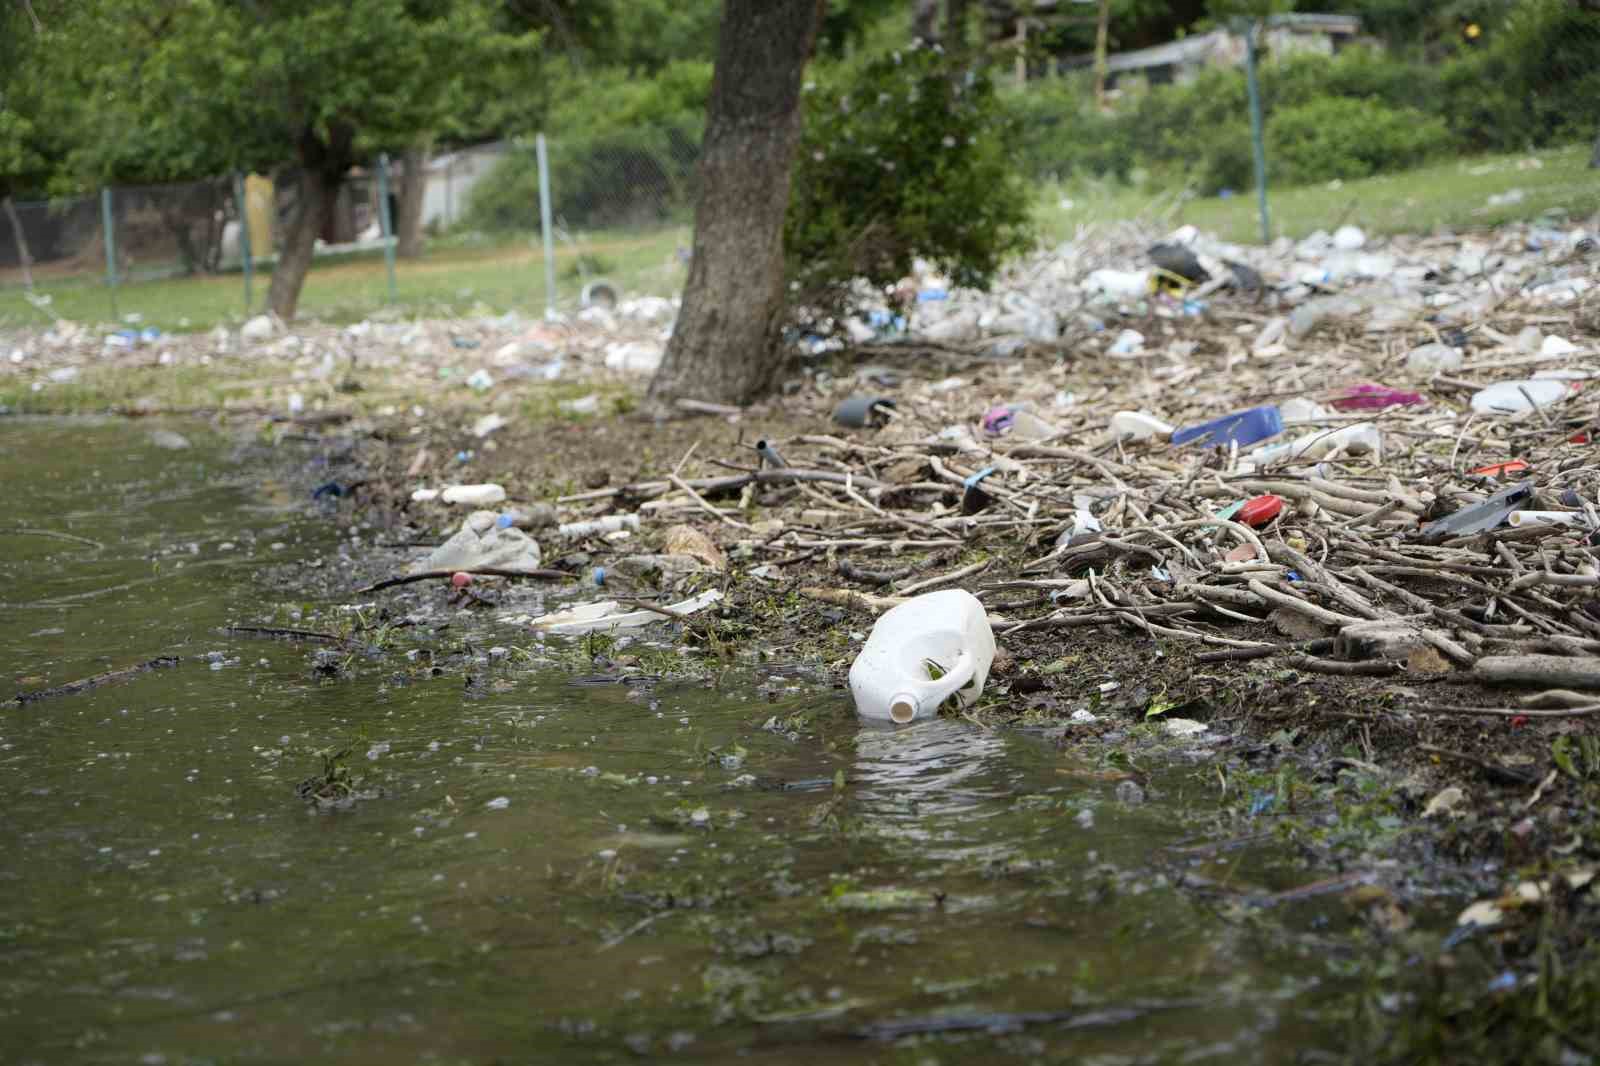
(919, 654)
(486, 495)
(610, 523)
(1246, 427)
(1434, 358)
(1514, 397)
(1362, 438)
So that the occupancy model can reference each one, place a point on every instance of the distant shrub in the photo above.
(1338, 137)
(1534, 83)
(902, 157)
(622, 152)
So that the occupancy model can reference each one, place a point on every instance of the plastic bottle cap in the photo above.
(1260, 510)
(903, 708)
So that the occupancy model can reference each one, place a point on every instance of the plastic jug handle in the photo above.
(932, 693)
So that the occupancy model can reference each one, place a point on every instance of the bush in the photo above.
(1337, 137)
(903, 157)
(1536, 84)
(1057, 136)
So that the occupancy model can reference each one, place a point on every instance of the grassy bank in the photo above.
(458, 275)
(1452, 195)
(453, 277)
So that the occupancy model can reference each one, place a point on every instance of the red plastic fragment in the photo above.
(1260, 510)
(460, 579)
(1518, 721)
(1515, 466)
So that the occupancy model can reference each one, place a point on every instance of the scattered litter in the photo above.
(607, 615)
(481, 543)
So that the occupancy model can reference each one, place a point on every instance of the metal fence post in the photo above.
(245, 256)
(545, 228)
(1258, 141)
(386, 221)
(111, 246)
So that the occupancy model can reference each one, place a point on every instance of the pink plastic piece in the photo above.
(1368, 397)
(998, 419)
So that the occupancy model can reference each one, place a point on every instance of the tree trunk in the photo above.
(925, 21)
(726, 345)
(413, 186)
(1101, 34)
(318, 193)
(955, 27)
(24, 256)
(1594, 158)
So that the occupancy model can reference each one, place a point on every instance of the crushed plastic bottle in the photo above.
(1244, 427)
(921, 653)
(1481, 516)
(1434, 358)
(1515, 397)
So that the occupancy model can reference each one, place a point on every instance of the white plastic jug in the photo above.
(920, 653)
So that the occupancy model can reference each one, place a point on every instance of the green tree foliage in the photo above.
(1533, 81)
(903, 158)
(622, 150)
(171, 92)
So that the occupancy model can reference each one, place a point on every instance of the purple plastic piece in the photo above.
(998, 419)
(1368, 397)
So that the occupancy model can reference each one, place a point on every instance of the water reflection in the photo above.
(933, 783)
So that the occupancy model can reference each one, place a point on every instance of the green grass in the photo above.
(1452, 194)
(460, 274)
(456, 275)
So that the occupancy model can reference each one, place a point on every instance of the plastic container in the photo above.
(1511, 397)
(921, 653)
(1138, 425)
(1244, 427)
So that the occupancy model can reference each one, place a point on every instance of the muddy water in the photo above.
(537, 867)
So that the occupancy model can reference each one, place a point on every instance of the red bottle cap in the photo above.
(1260, 511)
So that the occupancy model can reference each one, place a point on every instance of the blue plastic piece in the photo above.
(503, 522)
(599, 575)
(1246, 427)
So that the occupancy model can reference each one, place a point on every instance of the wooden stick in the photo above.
(482, 571)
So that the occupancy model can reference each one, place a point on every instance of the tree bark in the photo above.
(318, 194)
(325, 160)
(925, 21)
(726, 345)
(1594, 157)
(955, 27)
(24, 256)
(1102, 24)
(413, 186)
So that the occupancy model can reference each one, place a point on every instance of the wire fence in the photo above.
(187, 255)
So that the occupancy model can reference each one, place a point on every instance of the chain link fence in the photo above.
(190, 255)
